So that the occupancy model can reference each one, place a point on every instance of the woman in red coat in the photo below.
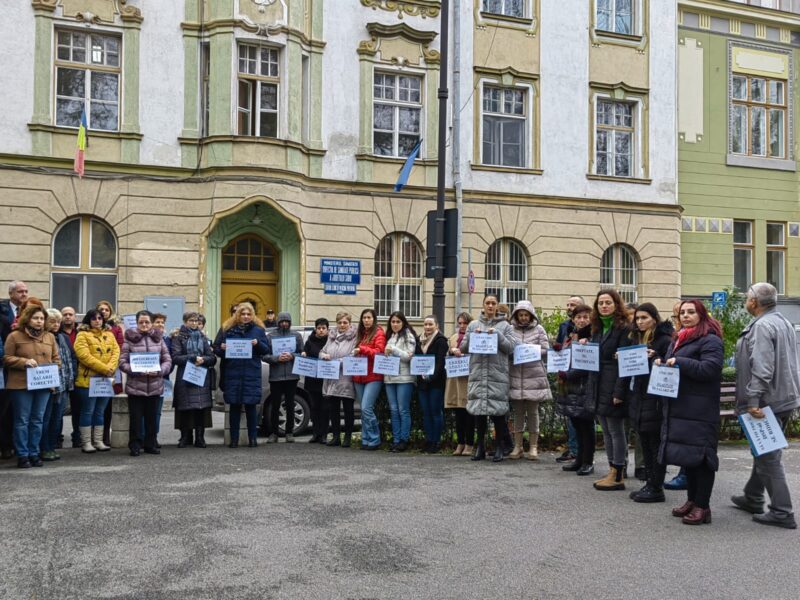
(371, 340)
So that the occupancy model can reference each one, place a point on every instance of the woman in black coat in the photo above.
(313, 385)
(606, 390)
(691, 421)
(430, 388)
(192, 402)
(645, 410)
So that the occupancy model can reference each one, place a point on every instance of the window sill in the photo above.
(615, 179)
(251, 139)
(501, 169)
(114, 135)
(507, 18)
(754, 162)
(396, 160)
(613, 36)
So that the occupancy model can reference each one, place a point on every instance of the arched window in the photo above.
(84, 264)
(619, 270)
(399, 273)
(249, 253)
(507, 271)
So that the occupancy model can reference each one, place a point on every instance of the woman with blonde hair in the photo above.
(340, 392)
(240, 378)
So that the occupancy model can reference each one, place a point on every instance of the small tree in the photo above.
(551, 320)
(733, 317)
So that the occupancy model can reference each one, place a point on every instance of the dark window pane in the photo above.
(255, 263)
(269, 124)
(67, 246)
(103, 116)
(255, 247)
(71, 82)
(104, 247)
(269, 265)
(67, 291)
(100, 287)
(241, 263)
(105, 86)
(227, 262)
(383, 144)
(241, 247)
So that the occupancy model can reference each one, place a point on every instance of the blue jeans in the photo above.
(235, 419)
(29, 407)
(432, 402)
(53, 421)
(572, 438)
(367, 396)
(399, 395)
(92, 409)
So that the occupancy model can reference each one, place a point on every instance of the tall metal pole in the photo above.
(438, 275)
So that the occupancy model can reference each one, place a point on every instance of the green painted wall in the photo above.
(708, 187)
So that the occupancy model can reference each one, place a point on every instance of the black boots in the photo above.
(573, 466)
(499, 452)
(186, 438)
(480, 452)
(199, 437)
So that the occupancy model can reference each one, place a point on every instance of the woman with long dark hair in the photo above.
(455, 393)
(691, 421)
(430, 388)
(402, 343)
(370, 341)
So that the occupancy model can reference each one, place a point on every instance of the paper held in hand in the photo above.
(101, 387)
(457, 366)
(355, 366)
(238, 348)
(328, 369)
(483, 343)
(527, 353)
(145, 362)
(283, 344)
(558, 361)
(423, 365)
(632, 361)
(664, 381)
(386, 365)
(129, 321)
(195, 375)
(586, 357)
(764, 435)
(40, 378)
(305, 367)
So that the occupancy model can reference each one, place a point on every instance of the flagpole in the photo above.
(438, 274)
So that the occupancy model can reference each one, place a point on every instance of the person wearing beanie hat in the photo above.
(282, 382)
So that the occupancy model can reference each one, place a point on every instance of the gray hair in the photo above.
(764, 293)
(12, 287)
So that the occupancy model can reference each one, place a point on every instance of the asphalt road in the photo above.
(306, 521)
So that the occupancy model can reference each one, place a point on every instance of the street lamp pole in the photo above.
(439, 264)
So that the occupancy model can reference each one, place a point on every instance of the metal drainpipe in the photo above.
(455, 141)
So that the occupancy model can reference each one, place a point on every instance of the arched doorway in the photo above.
(250, 267)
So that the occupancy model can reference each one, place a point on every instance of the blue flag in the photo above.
(402, 180)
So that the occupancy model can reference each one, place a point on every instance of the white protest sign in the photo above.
(129, 321)
(283, 344)
(168, 388)
(423, 365)
(526, 353)
(632, 361)
(238, 348)
(457, 366)
(483, 343)
(558, 361)
(194, 374)
(101, 387)
(145, 362)
(664, 381)
(118, 376)
(306, 367)
(328, 369)
(586, 357)
(355, 366)
(765, 435)
(40, 378)
(386, 365)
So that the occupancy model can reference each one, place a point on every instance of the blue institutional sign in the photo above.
(339, 276)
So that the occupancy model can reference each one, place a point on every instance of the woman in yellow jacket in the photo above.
(97, 352)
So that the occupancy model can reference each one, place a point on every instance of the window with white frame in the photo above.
(507, 271)
(84, 264)
(398, 278)
(615, 138)
(396, 113)
(504, 125)
(742, 255)
(776, 255)
(87, 71)
(508, 8)
(758, 116)
(616, 16)
(619, 271)
(259, 80)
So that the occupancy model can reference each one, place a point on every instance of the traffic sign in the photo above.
(471, 282)
(719, 299)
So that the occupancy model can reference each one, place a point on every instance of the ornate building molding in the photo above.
(379, 31)
(412, 8)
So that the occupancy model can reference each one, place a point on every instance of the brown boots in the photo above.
(612, 481)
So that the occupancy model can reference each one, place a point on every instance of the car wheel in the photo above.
(302, 416)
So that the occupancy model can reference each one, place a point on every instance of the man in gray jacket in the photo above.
(767, 375)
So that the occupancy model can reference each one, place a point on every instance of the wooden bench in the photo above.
(727, 406)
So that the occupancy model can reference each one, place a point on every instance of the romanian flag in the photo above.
(81, 150)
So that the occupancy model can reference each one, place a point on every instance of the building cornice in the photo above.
(412, 8)
(741, 11)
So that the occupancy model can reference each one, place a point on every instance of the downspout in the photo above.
(456, 144)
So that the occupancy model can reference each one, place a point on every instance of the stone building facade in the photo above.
(234, 144)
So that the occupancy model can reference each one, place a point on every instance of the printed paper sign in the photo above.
(527, 353)
(129, 321)
(101, 387)
(664, 381)
(558, 361)
(765, 435)
(483, 343)
(386, 365)
(305, 367)
(423, 365)
(457, 366)
(355, 366)
(195, 375)
(328, 369)
(586, 357)
(632, 361)
(118, 376)
(168, 388)
(238, 348)
(283, 344)
(40, 378)
(145, 362)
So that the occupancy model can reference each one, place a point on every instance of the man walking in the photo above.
(766, 375)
